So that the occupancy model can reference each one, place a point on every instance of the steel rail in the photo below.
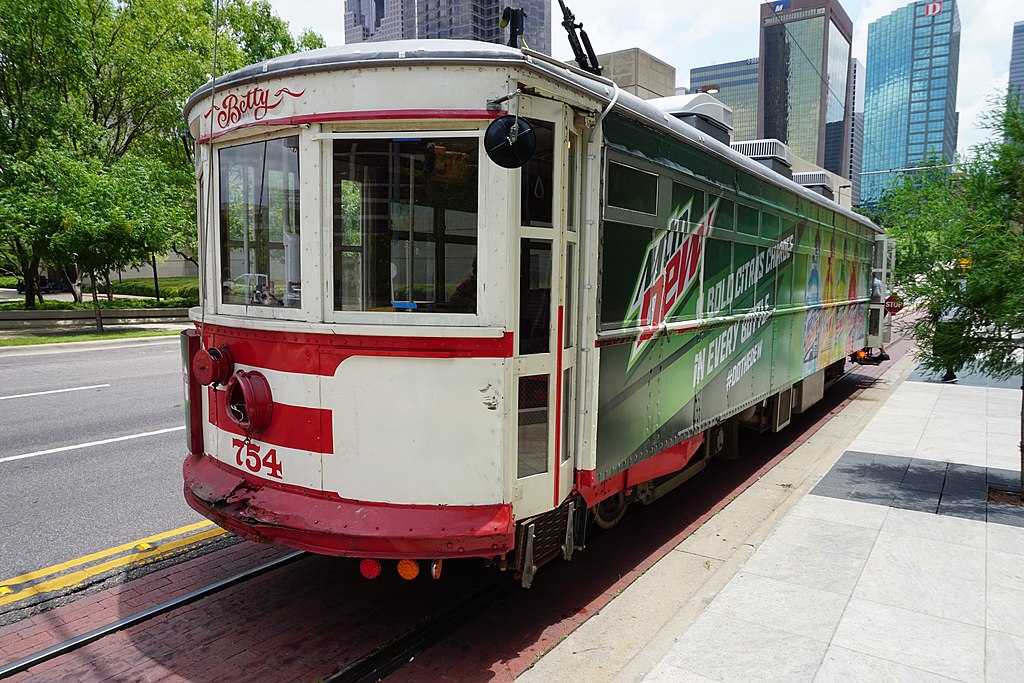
(77, 642)
(399, 651)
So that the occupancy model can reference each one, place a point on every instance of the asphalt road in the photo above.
(58, 506)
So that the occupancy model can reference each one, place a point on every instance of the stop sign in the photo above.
(893, 304)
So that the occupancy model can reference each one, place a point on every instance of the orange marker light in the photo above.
(408, 569)
(370, 569)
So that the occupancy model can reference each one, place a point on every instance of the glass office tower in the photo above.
(376, 20)
(737, 84)
(805, 78)
(910, 114)
(856, 156)
(1017, 59)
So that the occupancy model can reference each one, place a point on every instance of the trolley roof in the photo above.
(425, 52)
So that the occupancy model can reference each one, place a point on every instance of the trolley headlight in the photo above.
(249, 402)
(213, 366)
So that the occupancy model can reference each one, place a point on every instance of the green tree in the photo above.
(86, 82)
(960, 246)
(34, 210)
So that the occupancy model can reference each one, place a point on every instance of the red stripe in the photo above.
(325, 523)
(672, 459)
(321, 354)
(297, 427)
(367, 115)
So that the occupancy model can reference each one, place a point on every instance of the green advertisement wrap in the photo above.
(723, 305)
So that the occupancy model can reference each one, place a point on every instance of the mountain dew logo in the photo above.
(670, 271)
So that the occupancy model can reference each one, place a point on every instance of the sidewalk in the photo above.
(869, 554)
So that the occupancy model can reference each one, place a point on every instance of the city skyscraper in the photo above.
(856, 156)
(910, 113)
(737, 87)
(804, 79)
(1017, 59)
(376, 20)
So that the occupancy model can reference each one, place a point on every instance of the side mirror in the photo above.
(510, 141)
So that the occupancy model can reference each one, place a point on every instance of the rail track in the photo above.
(72, 644)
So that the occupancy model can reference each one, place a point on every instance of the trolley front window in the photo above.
(259, 223)
(405, 225)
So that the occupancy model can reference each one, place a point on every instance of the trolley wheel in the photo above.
(435, 568)
(610, 511)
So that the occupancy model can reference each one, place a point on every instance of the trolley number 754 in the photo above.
(248, 456)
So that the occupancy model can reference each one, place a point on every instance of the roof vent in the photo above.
(702, 111)
(816, 181)
(771, 153)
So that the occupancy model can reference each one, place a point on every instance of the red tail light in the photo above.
(370, 569)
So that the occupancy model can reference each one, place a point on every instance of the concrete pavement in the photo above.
(871, 553)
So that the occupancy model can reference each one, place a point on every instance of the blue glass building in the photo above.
(1017, 59)
(913, 59)
(737, 83)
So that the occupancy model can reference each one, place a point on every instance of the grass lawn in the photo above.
(60, 338)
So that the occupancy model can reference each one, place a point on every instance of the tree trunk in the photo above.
(156, 280)
(110, 288)
(74, 284)
(96, 302)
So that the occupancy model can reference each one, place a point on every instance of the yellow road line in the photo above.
(77, 577)
(86, 559)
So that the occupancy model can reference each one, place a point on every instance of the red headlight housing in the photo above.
(249, 402)
(213, 366)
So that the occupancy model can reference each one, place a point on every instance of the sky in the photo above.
(719, 31)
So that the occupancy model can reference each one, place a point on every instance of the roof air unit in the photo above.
(771, 153)
(702, 111)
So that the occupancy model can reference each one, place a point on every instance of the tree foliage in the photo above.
(960, 250)
(90, 116)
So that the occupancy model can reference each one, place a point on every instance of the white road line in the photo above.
(91, 443)
(54, 391)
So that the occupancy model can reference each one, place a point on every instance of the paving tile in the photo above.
(966, 478)
(727, 649)
(844, 511)
(922, 591)
(666, 673)
(871, 493)
(1005, 570)
(836, 537)
(965, 451)
(926, 554)
(924, 475)
(790, 607)
(939, 646)
(878, 444)
(1009, 515)
(1005, 610)
(910, 499)
(814, 567)
(1005, 539)
(1003, 425)
(832, 491)
(842, 666)
(1005, 478)
(936, 527)
(964, 504)
(1004, 657)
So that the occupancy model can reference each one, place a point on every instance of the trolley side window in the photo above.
(259, 223)
(405, 225)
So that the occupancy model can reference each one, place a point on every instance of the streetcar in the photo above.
(460, 300)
